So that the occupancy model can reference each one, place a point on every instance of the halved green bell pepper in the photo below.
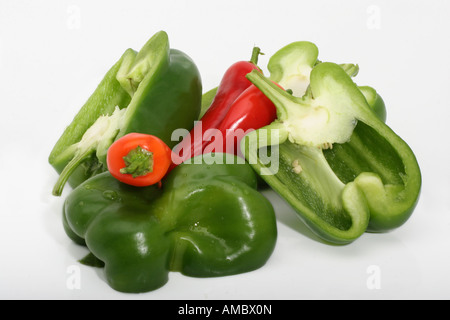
(207, 220)
(341, 168)
(291, 68)
(153, 91)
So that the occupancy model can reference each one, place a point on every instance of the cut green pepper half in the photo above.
(340, 167)
(153, 91)
(291, 68)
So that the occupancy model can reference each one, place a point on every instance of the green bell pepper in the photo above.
(341, 168)
(207, 99)
(153, 91)
(207, 220)
(291, 68)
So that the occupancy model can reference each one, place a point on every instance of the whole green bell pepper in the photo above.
(207, 220)
(153, 91)
(340, 166)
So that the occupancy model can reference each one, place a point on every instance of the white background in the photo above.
(54, 53)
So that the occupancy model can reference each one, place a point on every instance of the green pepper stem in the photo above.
(139, 162)
(68, 170)
(350, 68)
(281, 99)
(255, 55)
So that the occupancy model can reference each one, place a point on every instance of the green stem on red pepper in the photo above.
(139, 159)
(139, 162)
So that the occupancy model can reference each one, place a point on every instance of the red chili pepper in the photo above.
(139, 159)
(238, 104)
(250, 111)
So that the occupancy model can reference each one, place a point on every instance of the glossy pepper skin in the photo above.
(153, 91)
(207, 220)
(237, 106)
(341, 168)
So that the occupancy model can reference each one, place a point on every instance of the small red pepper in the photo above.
(250, 111)
(237, 108)
(139, 159)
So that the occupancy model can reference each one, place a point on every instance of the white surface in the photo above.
(54, 53)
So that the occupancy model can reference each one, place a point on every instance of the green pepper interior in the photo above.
(325, 173)
(367, 151)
